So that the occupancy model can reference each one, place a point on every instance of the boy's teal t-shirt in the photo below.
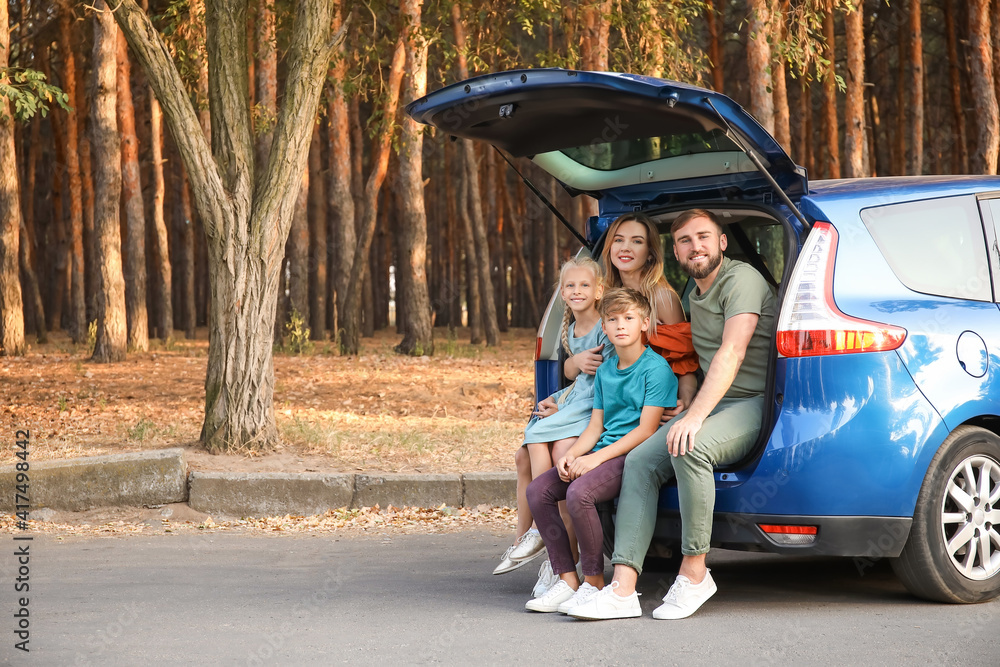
(623, 393)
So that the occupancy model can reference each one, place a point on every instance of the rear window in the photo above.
(609, 156)
(934, 246)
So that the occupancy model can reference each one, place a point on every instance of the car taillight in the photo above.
(790, 535)
(810, 323)
(538, 348)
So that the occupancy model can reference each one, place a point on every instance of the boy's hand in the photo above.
(562, 466)
(680, 437)
(546, 407)
(582, 465)
(588, 360)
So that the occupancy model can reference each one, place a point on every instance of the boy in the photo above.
(630, 394)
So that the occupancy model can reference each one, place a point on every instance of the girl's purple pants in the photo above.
(581, 495)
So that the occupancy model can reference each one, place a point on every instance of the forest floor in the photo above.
(461, 410)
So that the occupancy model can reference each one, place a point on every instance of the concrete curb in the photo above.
(161, 477)
(136, 479)
(277, 494)
(268, 494)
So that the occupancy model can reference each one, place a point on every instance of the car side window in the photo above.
(934, 246)
(990, 207)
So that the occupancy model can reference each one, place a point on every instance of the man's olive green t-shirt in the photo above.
(738, 288)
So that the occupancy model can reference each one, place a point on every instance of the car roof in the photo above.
(901, 187)
(843, 199)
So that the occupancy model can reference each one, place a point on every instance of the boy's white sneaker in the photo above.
(607, 604)
(685, 598)
(546, 579)
(583, 593)
(552, 599)
(506, 564)
(528, 546)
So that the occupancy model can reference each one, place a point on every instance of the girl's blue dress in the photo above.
(576, 401)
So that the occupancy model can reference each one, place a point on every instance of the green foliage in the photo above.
(142, 430)
(29, 93)
(91, 337)
(63, 404)
(297, 335)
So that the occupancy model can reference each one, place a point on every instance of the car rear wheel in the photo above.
(953, 551)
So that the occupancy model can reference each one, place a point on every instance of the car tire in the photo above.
(949, 523)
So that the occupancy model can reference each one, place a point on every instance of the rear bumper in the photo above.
(869, 537)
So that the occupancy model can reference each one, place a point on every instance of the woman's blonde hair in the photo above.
(651, 273)
(575, 263)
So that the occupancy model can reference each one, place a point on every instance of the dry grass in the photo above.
(462, 410)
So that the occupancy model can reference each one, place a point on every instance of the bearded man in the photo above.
(732, 312)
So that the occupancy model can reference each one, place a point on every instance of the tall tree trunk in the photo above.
(984, 160)
(488, 310)
(517, 251)
(58, 254)
(806, 146)
(163, 285)
(759, 63)
(714, 21)
(266, 90)
(340, 195)
(995, 38)
(830, 123)
(380, 163)
(317, 240)
(960, 151)
(135, 219)
(782, 114)
(453, 283)
(246, 219)
(26, 244)
(111, 329)
(915, 94)
(11, 307)
(78, 307)
(419, 335)
(473, 298)
(854, 108)
(298, 255)
(902, 94)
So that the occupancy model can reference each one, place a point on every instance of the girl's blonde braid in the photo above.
(564, 332)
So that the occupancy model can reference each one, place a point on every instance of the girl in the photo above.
(562, 417)
(633, 257)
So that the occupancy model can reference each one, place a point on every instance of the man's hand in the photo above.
(589, 360)
(582, 465)
(546, 407)
(562, 466)
(680, 437)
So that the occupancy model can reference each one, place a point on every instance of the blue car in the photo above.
(881, 437)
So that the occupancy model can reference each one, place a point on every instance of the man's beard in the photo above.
(703, 270)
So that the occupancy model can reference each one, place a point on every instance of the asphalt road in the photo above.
(231, 599)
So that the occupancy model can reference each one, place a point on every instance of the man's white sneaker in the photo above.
(528, 546)
(608, 604)
(684, 598)
(583, 593)
(546, 579)
(552, 599)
